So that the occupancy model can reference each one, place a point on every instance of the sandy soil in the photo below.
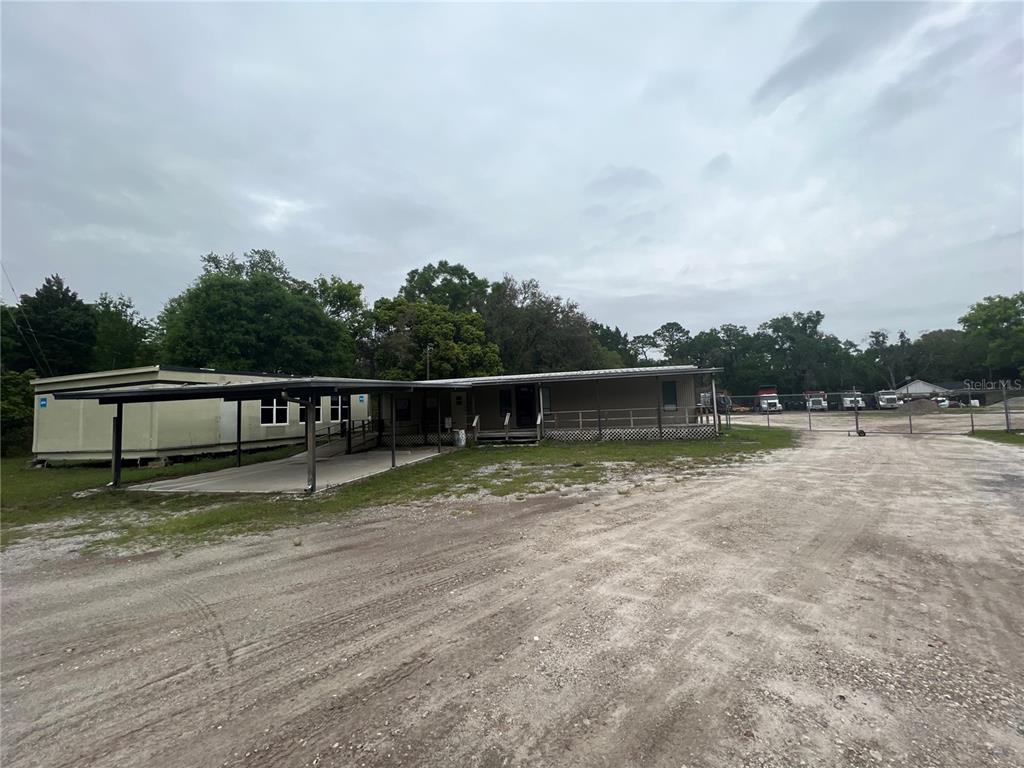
(853, 602)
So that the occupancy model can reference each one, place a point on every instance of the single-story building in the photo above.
(80, 430)
(921, 388)
(650, 403)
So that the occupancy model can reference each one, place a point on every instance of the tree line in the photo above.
(249, 313)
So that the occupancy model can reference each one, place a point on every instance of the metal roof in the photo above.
(148, 369)
(248, 390)
(314, 386)
(607, 373)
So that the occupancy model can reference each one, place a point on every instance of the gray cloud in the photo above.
(833, 37)
(613, 180)
(136, 137)
(953, 52)
(717, 167)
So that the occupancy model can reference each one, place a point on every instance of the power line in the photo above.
(25, 339)
(28, 322)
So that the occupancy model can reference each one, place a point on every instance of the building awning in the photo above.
(301, 389)
(318, 386)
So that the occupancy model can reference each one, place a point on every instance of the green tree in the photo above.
(675, 343)
(946, 355)
(16, 411)
(894, 361)
(996, 325)
(123, 336)
(52, 330)
(616, 343)
(252, 315)
(457, 340)
(450, 285)
(537, 332)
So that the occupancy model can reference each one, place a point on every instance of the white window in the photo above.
(273, 411)
(335, 407)
(302, 413)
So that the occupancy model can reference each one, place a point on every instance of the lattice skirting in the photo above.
(414, 440)
(636, 434)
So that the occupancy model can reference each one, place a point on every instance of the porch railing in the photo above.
(626, 418)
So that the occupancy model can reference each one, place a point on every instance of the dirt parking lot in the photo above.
(851, 602)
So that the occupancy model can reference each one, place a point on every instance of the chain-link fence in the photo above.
(952, 412)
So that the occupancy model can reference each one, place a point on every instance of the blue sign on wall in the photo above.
(42, 402)
(362, 398)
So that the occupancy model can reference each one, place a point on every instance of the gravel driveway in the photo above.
(848, 602)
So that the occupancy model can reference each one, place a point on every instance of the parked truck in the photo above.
(887, 399)
(817, 400)
(767, 399)
(852, 401)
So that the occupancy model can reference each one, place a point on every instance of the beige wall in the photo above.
(82, 429)
(615, 395)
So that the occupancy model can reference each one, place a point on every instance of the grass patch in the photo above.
(40, 503)
(1001, 436)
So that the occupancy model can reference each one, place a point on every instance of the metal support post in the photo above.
(910, 418)
(392, 396)
(115, 446)
(600, 429)
(238, 433)
(438, 422)
(657, 381)
(714, 406)
(310, 446)
(1006, 408)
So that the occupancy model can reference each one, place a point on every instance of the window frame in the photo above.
(335, 408)
(319, 412)
(275, 405)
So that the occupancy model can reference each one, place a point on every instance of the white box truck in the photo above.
(886, 399)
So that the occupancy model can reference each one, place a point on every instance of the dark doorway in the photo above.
(526, 405)
(504, 403)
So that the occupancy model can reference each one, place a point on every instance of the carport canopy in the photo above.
(301, 390)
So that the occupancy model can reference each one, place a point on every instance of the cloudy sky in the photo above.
(701, 163)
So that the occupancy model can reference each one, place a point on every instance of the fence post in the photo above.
(972, 422)
(768, 416)
(910, 418)
(856, 417)
(809, 416)
(1006, 407)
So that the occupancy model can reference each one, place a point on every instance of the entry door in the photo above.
(526, 405)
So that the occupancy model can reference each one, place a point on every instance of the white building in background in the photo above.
(921, 388)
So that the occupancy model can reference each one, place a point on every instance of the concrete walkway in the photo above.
(333, 468)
